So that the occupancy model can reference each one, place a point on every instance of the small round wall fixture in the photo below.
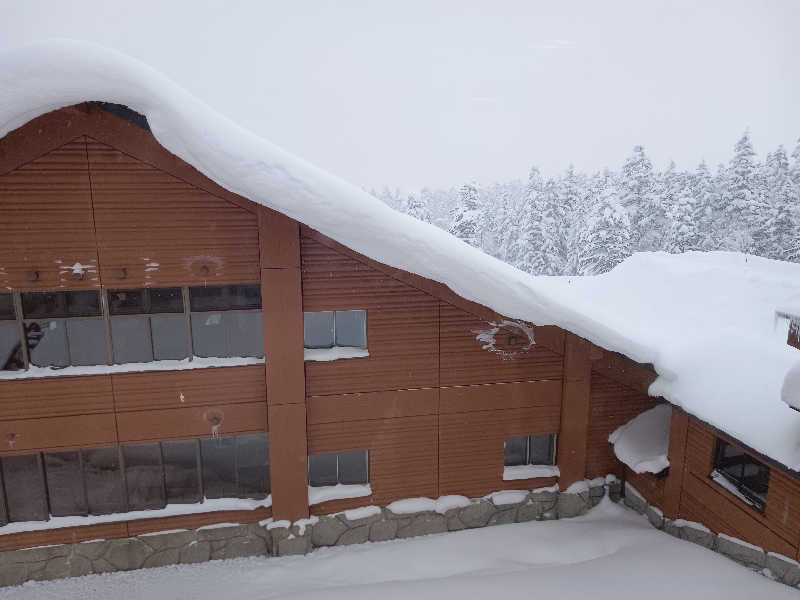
(33, 275)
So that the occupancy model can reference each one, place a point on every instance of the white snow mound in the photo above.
(705, 321)
(643, 441)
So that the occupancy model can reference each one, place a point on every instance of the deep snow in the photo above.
(642, 443)
(612, 553)
(705, 321)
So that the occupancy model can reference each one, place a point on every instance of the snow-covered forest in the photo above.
(582, 224)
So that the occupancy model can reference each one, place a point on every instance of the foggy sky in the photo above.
(411, 93)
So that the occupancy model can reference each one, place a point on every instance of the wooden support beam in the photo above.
(574, 410)
(673, 486)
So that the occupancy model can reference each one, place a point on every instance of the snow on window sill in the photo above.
(723, 481)
(156, 365)
(335, 353)
(317, 495)
(530, 472)
(207, 506)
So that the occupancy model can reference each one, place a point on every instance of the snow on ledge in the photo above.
(171, 510)
(643, 441)
(317, 495)
(335, 353)
(530, 472)
(790, 390)
(156, 365)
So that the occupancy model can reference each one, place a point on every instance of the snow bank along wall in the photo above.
(90, 201)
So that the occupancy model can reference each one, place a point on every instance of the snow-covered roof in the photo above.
(705, 321)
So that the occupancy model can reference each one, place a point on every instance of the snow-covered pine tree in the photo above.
(776, 224)
(794, 166)
(637, 196)
(605, 240)
(706, 202)
(682, 233)
(742, 198)
(417, 206)
(466, 219)
(545, 251)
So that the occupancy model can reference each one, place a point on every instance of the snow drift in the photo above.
(703, 320)
(642, 443)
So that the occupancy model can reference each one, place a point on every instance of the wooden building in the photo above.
(139, 299)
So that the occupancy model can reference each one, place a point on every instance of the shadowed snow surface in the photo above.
(705, 321)
(611, 553)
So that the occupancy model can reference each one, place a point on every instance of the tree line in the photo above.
(584, 224)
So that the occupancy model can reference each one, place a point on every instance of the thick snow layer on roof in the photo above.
(643, 441)
(705, 321)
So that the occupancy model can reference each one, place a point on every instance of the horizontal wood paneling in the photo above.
(165, 231)
(402, 455)
(402, 325)
(55, 396)
(372, 405)
(63, 535)
(25, 436)
(471, 447)
(465, 362)
(47, 225)
(195, 387)
(649, 486)
(542, 395)
(612, 405)
(191, 422)
(142, 526)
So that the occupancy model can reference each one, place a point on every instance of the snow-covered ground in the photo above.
(611, 553)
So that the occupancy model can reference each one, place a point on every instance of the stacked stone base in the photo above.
(775, 566)
(279, 539)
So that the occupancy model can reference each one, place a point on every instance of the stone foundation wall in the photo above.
(282, 538)
(775, 566)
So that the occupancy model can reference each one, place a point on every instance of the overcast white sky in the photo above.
(411, 93)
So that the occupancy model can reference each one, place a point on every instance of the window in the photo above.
(326, 329)
(741, 474)
(530, 450)
(117, 479)
(148, 324)
(348, 468)
(10, 345)
(227, 321)
(64, 328)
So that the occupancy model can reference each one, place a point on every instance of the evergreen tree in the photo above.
(776, 227)
(706, 203)
(637, 196)
(794, 167)
(682, 217)
(743, 202)
(466, 216)
(605, 241)
(417, 206)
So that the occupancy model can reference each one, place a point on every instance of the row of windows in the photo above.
(118, 479)
(60, 329)
(347, 468)
(530, 450)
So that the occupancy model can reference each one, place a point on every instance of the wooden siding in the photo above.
(55, 397)
(464, 361)
(706, 502)
(372, 405)
(163, 231)
(47, 224)
(612, 405)
(402, 325)
(402, 456)
(649, 486)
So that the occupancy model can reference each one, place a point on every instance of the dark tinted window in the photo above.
(542, 450)
(181, 471)
(127, 302)
(322, 470)
(6, 307)
(144, 477)
(44, 304)
(83, 304)
(252, 459)
(65, 484)
(351, 328)
(3, 510)
(208, 298)
(25, 491)
(245, 296)
(10, 347)
(219, 467)
(515, 451)
(104, 485)
(318, 329)
(353, 467)
(166, 300)
(750, 476)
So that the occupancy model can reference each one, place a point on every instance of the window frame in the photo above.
(529, 445)
(222, 312)
(334, 343)
(750, 496)
(338, 469)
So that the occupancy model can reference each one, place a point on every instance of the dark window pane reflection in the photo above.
(354, 467)
(25, 491)
(181, 471)
(144, 477)
(322, 470)
(101, 470)
(65, 484)
(219, 467)
(252, 458)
